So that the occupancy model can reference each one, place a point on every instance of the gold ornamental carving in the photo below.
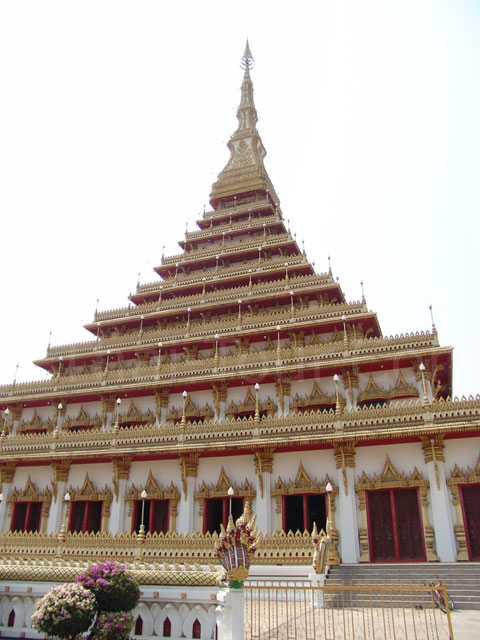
(121, 471)
(304, 484)
(345, 457)
(457, 479)
(433, 451)
(88, 492)
(30, 493)
(219, 392)
(60, 474)
(263, 459)
(188, 469)
(155, 491)
(248, 406)
(82, 421)
(36, 424)
(283, 387)
(390, 478)
(220, 490)
(7, 471)
(108, 406)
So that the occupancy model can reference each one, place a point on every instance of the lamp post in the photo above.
(57, 422)
(259, 254)
(142, 317)
(141, 533)
(217, 258)
(230, 492)
(345, 339)
(216, 349)
(98, 330)
(176, 270)
(337, 399)
(239, 310)
(189, 309)
(264, 230)
(425, 394)
(278, 341)
(118, 402)
(204, 281)
(292, 308)
(223, 238)
(286, 270)
(63, 528)
(250, 278)
(184, 396)
(256, 417)
(329, 523)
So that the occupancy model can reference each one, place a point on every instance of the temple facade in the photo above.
(241, 367)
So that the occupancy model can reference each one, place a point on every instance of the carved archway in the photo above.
(390, 478)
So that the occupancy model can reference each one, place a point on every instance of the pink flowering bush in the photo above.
(113, 625)
(113, 587)
(65, 611)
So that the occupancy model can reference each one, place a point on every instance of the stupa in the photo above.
(241, 368)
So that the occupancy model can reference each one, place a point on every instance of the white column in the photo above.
(57, 509)
(116, 521)
(263, 508)
(442, 520)
(186, 508)
(4, 522)
(346, 520)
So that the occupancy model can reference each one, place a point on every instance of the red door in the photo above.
(471, 517)
(395, 526)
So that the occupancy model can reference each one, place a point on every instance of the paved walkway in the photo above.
(466, 624)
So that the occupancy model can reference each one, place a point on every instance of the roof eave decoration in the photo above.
(245, 172)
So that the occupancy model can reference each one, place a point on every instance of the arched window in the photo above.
(196, 629)
(167, 628)
(11, 619)
(139, 625)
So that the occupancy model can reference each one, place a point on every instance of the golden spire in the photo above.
(245, 172)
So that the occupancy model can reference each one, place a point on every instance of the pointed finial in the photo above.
(329, 266)
(247, 58)
(363, 294)
(434, 329)
(49, 339)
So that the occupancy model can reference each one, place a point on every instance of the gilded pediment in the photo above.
(223, 484)
(303, 483)
(82, 420)
(134, 416)
(390, 478)
(88, 491)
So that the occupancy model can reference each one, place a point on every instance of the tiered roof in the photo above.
(240, 303)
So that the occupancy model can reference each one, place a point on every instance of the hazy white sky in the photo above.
(113, 122)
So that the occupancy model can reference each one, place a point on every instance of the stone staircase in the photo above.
(461, 579)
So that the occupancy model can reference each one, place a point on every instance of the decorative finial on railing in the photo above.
(247, 58)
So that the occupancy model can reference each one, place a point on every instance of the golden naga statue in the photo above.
(321, 542)
(236, 545)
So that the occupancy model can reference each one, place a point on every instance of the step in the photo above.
(461, 580)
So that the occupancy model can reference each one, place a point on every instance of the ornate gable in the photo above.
(220, 489)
